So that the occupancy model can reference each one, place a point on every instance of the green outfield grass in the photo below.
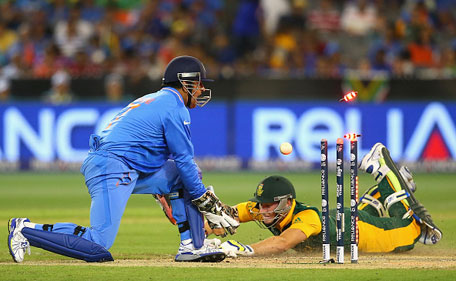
(145, 233)
(85, 272)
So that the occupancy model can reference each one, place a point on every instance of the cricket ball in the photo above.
(286, 148)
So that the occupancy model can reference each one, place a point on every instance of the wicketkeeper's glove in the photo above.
(218, 215)
(233, 248)
(214, 242)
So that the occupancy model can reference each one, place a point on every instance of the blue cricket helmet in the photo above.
(187, 70)
(184, 64)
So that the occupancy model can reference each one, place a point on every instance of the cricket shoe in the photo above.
(379, 164)
(207, 253)
(17, 243)
(374, 164)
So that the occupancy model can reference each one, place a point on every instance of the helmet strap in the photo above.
(189, 99)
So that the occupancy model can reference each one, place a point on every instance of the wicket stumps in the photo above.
(340, 214)
(354, 200)
(325, 201)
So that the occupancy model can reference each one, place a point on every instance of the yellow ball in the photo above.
(286, 148)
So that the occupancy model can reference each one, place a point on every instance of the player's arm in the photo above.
(271, 246)
(177, 135)
(304, 225)
(279, 244)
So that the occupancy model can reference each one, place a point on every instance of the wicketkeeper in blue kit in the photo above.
(146, 149)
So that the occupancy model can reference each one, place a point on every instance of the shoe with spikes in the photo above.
(18, 245)
(374, 164)
(207, 253)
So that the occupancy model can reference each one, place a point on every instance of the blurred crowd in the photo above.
(121, 40)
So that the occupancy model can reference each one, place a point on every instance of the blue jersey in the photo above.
(151, 130)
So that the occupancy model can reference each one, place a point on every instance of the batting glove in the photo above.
(233, 248)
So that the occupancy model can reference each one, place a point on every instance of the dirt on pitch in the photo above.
(424, 258)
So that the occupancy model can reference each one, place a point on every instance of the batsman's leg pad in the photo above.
(68, 245)
(408, 178)
(374, 203)
(395, 197)
(430, 233)
(370, 202)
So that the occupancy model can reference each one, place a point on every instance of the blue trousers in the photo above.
(110, 183)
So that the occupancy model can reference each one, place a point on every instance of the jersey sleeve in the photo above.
(308, 221)
(177, 135)
(245, 211)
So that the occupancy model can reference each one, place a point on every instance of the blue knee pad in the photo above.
(188, 217)
(68, 245)
(196, 221)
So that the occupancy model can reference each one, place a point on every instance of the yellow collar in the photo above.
(287, 219)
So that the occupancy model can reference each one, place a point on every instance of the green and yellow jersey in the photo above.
(301, 216)
(376, 234)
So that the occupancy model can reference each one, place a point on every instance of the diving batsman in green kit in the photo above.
(391, 219)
